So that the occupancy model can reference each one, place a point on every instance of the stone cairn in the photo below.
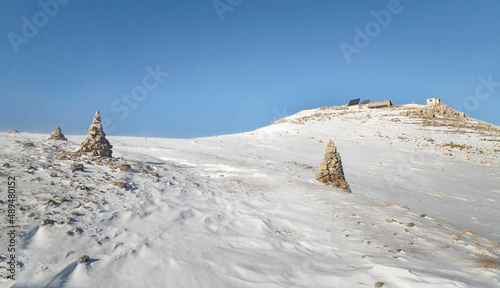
(57, 135)
(330, 171)
(96, 143)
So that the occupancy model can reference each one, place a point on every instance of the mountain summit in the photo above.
(246, 210)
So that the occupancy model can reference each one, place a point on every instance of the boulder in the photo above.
(84, 259)
(76, 167)
(123, 167)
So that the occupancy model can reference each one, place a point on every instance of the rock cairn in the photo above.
(57, 135)
(96, 143)
(331, 171)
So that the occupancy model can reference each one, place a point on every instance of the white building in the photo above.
(433, 101)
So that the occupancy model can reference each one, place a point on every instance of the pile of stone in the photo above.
(95, 143)
(331, 171)
(13, 131)
(57, 135)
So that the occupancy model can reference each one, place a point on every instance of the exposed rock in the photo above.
(153, 174)
(53, 174)
(57, 135)
(76, 167)
(28, 143)
(103, 161)
(96, 144)
(81, 187)
(51, 202)
(84, 259)
(123, 167)
(48, 222)
(120, 184)
(331, 171)
(432, 111)
(13, 131)
(6, 164)
(305, 166)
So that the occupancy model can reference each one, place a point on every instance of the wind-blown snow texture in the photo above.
(245, 210)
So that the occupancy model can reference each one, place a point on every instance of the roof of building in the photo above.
(354, 102)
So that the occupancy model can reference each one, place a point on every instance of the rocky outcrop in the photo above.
(433, 111)
(13, 131)
(95, 143)
(57, 135)
(331, 171)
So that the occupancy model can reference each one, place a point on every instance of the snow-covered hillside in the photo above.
(245, 210)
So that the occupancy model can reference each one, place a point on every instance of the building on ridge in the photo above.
(433, 101)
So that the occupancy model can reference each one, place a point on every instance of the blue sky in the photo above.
(202, 68)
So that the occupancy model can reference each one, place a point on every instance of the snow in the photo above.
(245, 210)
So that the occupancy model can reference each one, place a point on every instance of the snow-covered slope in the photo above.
(245, 210)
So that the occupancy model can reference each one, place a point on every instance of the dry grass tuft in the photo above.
(495, 245)
(486, 259)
